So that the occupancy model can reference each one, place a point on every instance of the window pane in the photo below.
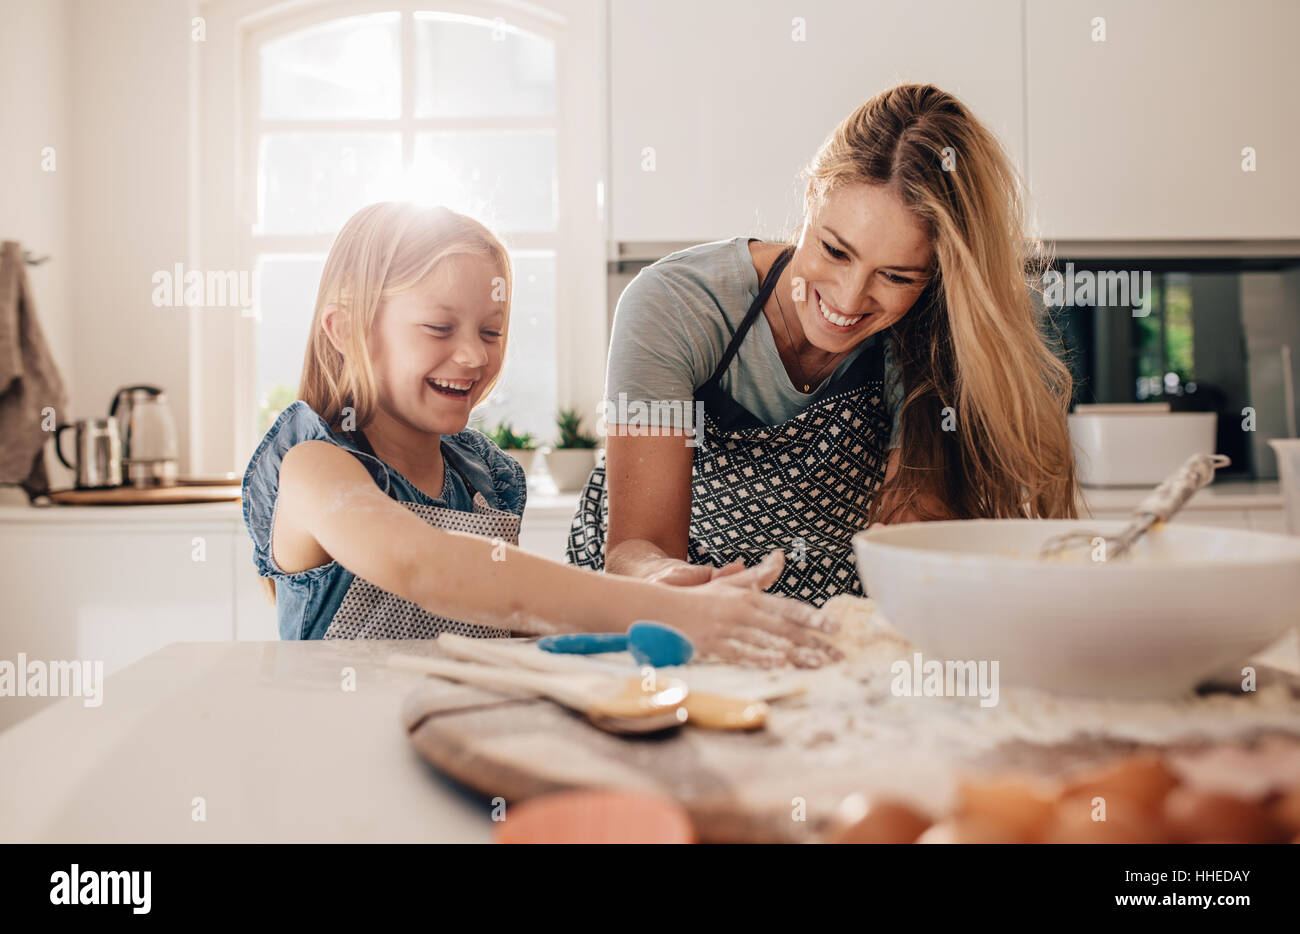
(525, 395)
(505, 178)
(1179, 343)
(346, 68)
(286, 291)
(313, 182)
(470, 67)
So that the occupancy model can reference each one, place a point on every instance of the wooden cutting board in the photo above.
(782, 784)
(132, 496)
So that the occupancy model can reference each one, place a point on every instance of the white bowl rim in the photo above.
(872, 535)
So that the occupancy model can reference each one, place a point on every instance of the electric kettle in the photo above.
(149, 450)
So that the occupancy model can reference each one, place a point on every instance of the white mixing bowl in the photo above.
(1186, 602)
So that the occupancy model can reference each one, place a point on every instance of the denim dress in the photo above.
(484, 489)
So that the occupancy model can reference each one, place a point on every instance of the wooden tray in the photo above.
(757, 787)
(132, 496)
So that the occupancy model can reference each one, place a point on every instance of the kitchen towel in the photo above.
(29, 378)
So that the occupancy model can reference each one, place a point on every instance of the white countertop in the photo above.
(262, 731)
(1226, 494)
(541, 505)
(546, 504)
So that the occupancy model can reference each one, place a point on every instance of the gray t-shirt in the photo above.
(674, 321)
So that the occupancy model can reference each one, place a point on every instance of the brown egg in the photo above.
(883, 822)
(966, 830)
(1202, 815)
(1286, 810)
(1020, 805)
(1126, 821)
(1142, 778)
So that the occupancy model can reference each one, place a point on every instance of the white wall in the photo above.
(115, 85)
(35, 109)
(129, 162)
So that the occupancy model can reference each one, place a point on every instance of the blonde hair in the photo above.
(383, 249)
(975, 339)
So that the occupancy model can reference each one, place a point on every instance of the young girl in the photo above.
(375, 513)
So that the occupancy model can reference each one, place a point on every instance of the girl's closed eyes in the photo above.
(437, 347)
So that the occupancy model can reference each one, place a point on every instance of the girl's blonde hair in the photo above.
(974, 342)
(384, 249)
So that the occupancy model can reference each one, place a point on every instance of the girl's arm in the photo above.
(329, 507)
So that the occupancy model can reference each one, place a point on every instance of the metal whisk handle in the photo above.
(1178, 488)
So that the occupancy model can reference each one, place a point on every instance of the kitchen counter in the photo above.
(547, 505)
(261, 731)
(278, 750)
(1228, 494)
(543, 505)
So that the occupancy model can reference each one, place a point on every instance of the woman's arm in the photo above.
(327, 500)
(648, 481)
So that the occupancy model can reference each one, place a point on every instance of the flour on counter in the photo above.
(857, 691)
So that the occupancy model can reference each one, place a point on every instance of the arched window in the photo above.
(455, 108)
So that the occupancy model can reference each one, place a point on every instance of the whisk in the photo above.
(1158, 506)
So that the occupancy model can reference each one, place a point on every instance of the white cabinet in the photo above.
(1141, 136)
(729, 105)
(545, 533)
(255, 617)
(112, 584)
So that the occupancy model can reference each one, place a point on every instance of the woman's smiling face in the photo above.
(863, 258)
(436, 347)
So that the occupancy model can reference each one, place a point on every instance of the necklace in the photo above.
(807, 384)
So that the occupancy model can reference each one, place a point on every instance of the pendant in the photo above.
(807, 388)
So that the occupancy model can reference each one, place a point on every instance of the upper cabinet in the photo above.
(715, 106)
(1141, 136)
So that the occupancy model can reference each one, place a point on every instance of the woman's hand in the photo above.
(748, 627)
(760, 577)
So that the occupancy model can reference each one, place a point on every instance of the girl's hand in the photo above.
(751, 628)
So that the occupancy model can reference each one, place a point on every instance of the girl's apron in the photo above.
(368, 612)
(804, 486)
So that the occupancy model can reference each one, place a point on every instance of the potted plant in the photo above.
(574, 455)
(522, 447)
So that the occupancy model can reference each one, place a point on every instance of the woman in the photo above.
(887, 366)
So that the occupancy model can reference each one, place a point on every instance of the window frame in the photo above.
(223, 348)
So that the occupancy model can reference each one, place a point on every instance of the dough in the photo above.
(861, 626)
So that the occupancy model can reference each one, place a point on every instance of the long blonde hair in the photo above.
(384, 249)
(975, 341)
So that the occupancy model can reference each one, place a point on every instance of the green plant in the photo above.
(504, 437)
(571, 434)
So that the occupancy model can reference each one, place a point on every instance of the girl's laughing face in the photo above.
(436, 347)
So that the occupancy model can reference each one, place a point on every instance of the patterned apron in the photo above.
(367, 612)
(804, 486)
